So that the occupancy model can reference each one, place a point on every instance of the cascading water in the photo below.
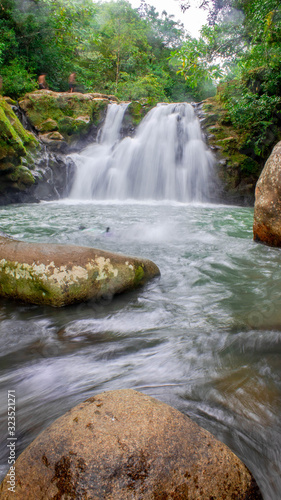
(166, 160)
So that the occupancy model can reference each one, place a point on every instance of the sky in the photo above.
(193, 18)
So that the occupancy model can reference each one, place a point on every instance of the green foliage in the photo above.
(112, 47)
(143, 87)
(42, 36)
(194, 63)
(256, 115)
(244, 39)
(17, 80)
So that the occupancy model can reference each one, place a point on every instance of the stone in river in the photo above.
(124, 445)
(267, 214)
(58, 275)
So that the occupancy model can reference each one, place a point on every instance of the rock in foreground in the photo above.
(59, 275)
(123, 445)
(267, 216)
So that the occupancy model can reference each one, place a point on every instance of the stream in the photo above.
(205, 337)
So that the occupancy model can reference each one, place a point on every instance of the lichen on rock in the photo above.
(59, 275)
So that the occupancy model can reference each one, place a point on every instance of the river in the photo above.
(204, 337)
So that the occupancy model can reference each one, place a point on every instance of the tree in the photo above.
(40, 36)
(122, 39)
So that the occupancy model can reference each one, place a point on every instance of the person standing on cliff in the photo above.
(42, 82)
(71, 82)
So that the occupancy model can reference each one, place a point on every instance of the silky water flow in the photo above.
(205, 337)
(166, 160)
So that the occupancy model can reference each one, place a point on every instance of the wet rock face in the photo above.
(29, 173)
(18, 150)
(237, 168)
(59, 275)
(267, 214)
(123, 445)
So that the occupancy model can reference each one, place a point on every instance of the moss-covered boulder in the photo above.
(123, 445)
(69, 116)
(237, 170)
(18, 149)
(267, 214)
(59, 275)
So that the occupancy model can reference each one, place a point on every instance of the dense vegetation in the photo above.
(137, 53)
(112, 47)
(241, 48)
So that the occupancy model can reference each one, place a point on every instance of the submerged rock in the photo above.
(267, 214)
(59, 275)
(123, 445)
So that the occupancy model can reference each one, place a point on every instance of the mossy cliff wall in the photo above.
(33, 165)
(18, 151)
(238, 166)
(61, 123)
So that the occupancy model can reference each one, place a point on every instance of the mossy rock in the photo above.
(237, 169)
(48, 126)
(59, 275)
(73, 113)
(6, 166)
(13, 134)
(69, 126)
(17, 150)
(21, 177)
(135, 111)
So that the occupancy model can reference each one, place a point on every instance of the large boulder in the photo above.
(123, 445)
(267, 214)
(58, 275)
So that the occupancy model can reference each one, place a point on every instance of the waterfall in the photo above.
(166, 160)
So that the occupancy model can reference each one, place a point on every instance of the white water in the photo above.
(166, 160)
(205, 337)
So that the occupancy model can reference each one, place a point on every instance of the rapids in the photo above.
(205, 337)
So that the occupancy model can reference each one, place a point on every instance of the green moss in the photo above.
(13, 283)
(236, 168)
(44, 109)
(139, 275)
(98, 109)
(136, 112)
(22, 177)
(48, 126)
(70, 126)
(17, 146)
(12, 128)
